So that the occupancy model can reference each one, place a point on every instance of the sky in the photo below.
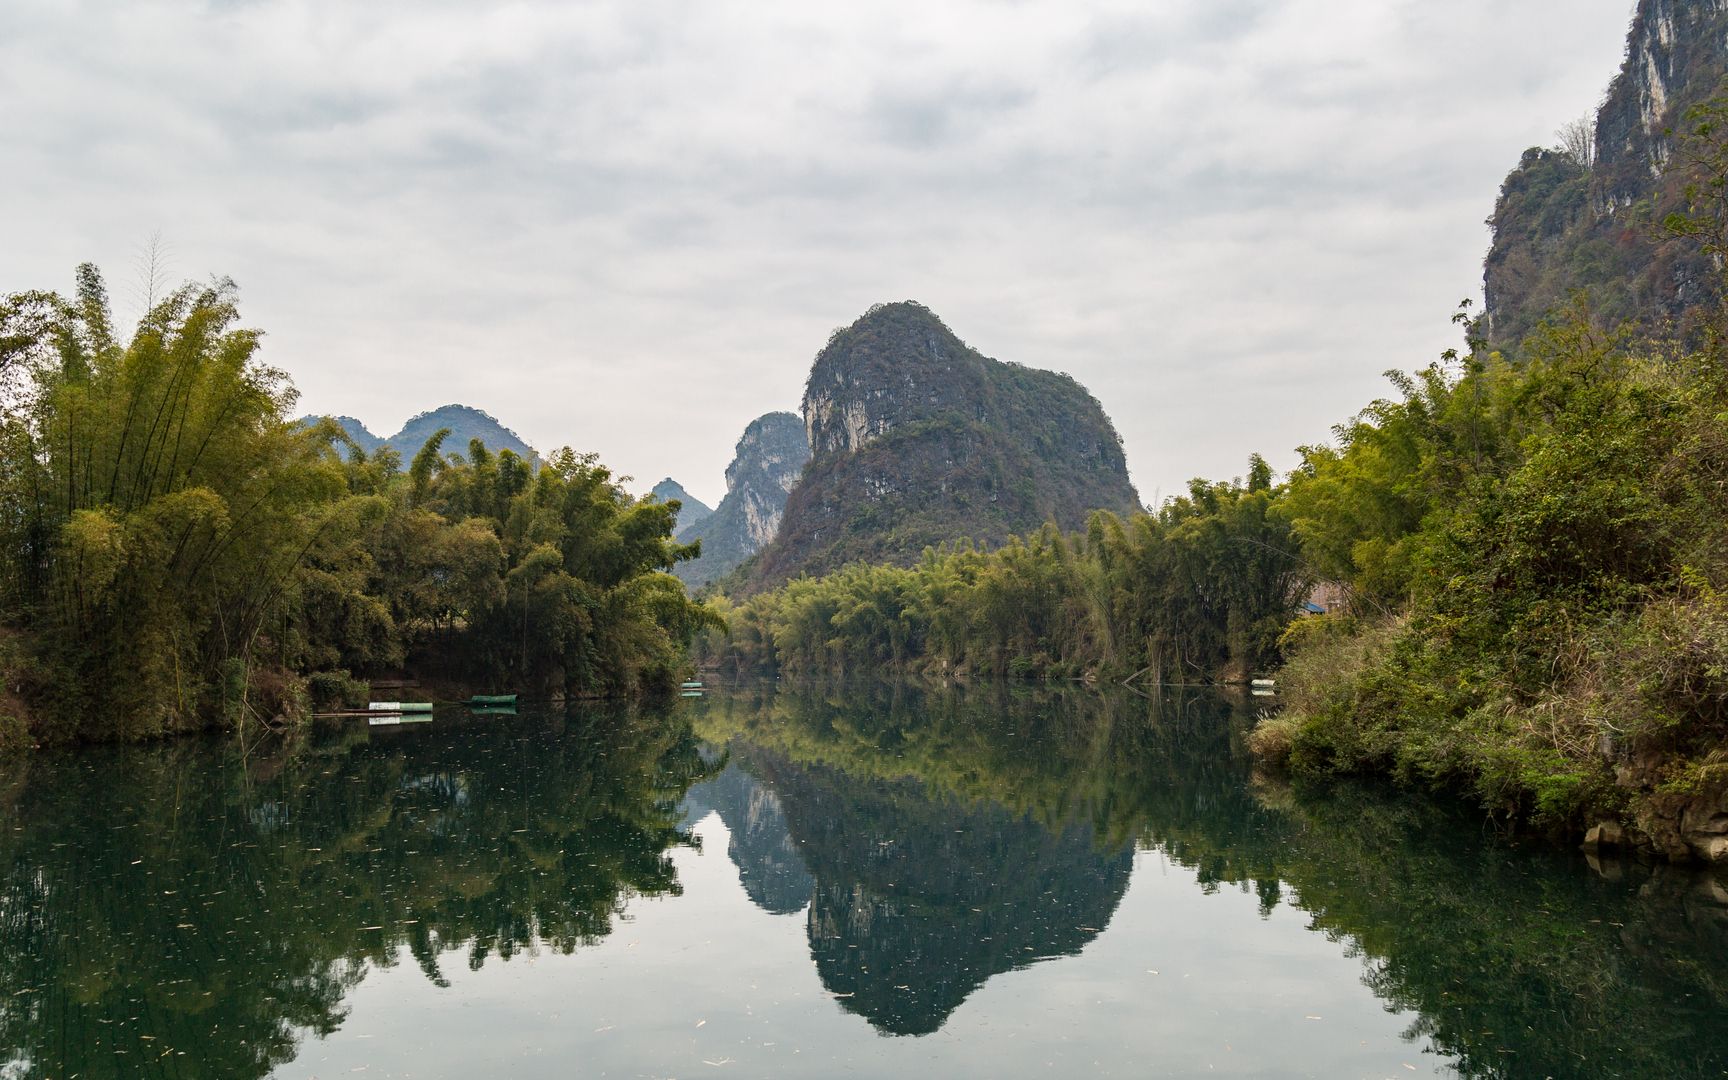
(629, 226)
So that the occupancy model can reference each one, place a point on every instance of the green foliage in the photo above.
(181, 553)
(1557, 556)
(237, 892)
(1201, 589)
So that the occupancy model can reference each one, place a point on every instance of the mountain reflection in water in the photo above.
(914, 900)
(190, 910)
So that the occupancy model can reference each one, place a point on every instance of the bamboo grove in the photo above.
(181, 553)
(1199, 590)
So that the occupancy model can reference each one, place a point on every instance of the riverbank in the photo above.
(14, 714)
(1622, 755)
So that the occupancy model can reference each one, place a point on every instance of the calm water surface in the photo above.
(877, 881)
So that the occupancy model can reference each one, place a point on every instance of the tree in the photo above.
(1578, 141)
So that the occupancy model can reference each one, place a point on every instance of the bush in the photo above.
(335, 690)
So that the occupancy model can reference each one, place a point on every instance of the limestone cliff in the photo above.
(765, 466)
(917, 438)
(1591, 222)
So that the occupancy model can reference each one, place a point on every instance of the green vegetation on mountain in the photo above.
(354, 429)
(1592, 217)
(1533, 540)
(1534, 563)
(917, 439)
(1536, 557)
(181, 554)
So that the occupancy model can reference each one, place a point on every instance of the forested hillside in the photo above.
(1605, 213)
(917, 438)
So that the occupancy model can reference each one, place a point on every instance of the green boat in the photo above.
(399, 706)
(492, 699)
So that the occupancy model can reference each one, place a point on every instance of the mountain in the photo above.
(765, 466)
(465, 423)
(919, 438)
(357, 431)
(1589, 217)
(691, 509)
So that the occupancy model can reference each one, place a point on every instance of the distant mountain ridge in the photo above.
(465, 422)
(356, 430)
(918, 438)
(766, 463)
(691, 509)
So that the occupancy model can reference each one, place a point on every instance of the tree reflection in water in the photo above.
(179, 911)
(185, 911)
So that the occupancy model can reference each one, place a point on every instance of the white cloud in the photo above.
(629, 226)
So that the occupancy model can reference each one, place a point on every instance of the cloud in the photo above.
(629, 227)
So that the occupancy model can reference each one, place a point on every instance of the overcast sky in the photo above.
(628, 226)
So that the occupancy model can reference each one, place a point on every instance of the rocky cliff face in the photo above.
(919, 439)
(765, 466)
(1564, 225)
(1676, 55)
(690, 508)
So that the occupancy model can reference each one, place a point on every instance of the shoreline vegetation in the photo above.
(1535, 583)
(182, 555)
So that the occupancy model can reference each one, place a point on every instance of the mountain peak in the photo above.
(466, 423)
(766, 464)
(918, 438)
(690, 509)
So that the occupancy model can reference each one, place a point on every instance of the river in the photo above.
(869, 880)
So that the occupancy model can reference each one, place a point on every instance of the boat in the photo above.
(391, 720)
(491, 710)
(399, 706)
(693, 686)
(492, 699)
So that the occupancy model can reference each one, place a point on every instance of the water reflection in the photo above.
(760, 841)
(188, 911)
(953, 835)
(180, 911)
